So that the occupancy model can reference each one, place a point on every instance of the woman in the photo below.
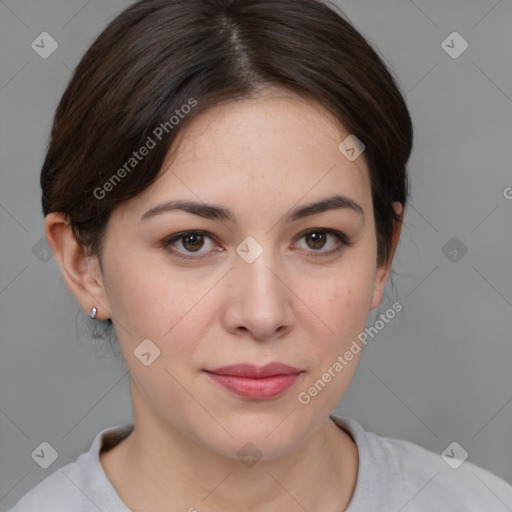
(224, 190)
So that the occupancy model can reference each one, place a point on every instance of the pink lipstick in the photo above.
(256, 383)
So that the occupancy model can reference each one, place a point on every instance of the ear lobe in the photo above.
(384, 270)
(81, 271)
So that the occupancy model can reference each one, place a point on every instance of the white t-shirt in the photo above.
(393, 475)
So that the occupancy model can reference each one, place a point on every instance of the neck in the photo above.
(158, 469)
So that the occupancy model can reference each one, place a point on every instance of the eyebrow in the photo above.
(216, 212)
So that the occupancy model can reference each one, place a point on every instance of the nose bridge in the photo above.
(257, 263)
(261, 293)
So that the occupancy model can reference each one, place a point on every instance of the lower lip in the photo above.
(256, 389)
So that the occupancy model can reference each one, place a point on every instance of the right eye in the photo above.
(191, 241)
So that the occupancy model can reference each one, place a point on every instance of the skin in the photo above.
(260, 158)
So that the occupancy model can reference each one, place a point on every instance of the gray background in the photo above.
(440, 372)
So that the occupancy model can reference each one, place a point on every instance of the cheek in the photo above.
(344, 309)
(344, 300)
(143, 302)
(347, 313)
(172, 309)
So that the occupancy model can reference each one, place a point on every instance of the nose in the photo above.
(260, 301)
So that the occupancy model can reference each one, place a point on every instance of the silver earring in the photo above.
(93, 312)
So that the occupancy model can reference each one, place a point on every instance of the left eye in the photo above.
(318, 238)
(193, 242)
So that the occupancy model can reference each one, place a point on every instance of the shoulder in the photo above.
(55, 493)
(407, 476)
(82, 485)
(433, 480)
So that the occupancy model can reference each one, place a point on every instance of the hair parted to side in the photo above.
(159, 55)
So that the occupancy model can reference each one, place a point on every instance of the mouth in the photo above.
(256, 383)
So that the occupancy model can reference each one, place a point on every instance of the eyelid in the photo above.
(167, 242)
(344, 238)
(343, 241)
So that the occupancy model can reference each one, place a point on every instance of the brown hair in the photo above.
(159, 55)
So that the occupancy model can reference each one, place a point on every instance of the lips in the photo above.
(256, 372)
(256, 383)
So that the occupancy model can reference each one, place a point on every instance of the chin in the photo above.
(266, 436)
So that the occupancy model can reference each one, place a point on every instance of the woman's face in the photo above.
(261, 287)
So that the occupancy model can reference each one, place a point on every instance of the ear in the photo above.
(82, 272)
(384, 270)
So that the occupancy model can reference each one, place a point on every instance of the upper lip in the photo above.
(255, 372)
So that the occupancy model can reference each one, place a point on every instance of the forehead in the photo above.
(275, 124)
(276, 148)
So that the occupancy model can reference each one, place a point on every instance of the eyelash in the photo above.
(343, 242)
